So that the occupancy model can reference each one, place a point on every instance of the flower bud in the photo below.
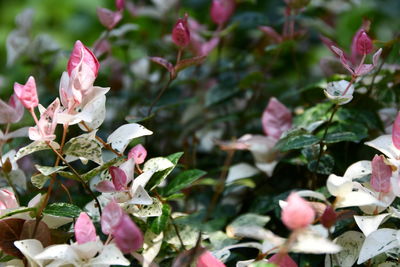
(181, 33)
(222, 10)
(363, 44)
(120, 4)
(298, 213)
(27, 93)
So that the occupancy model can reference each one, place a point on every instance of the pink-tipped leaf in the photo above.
(27, 93)
(82, 53)
(119, 178)
(127, 235)
(84, 229)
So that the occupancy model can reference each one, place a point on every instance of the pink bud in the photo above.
(84, 229)
(329, 217)
(120, 4)
(283, 260)
(363, 44)
(109, 18)
(222, 10)
(127, 235)
(181, 33)
(298, 213)
(381, 174)
(138, 153)
(27, 93)
(111, 217)
(7, 200)
(396, 132)
(207, 260)
(79, 54)
(119, 178)
(276, 119)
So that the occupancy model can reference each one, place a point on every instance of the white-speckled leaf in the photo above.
(378, 242)
(141, 197)
(34, 147)
(151, 247)
(121, 137)
(47, 170)
(30, 248)
(153, 210)
(358, 170)
(157, 164)
(351, 243)
(84, 146)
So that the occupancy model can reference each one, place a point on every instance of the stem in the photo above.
(177, 232)
(159, 96)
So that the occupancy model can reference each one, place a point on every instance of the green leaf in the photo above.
(296, 140)
(63, 210)
(47, 171)
(183, 180)
(90, 174)
(340, 137)
(16, 211)
(262, 264)
(39, 180)
(84, 146)
(158, 177)
(325, 165)
(159, 223)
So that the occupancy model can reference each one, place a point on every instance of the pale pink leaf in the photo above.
(7, 200)
(79, 54)
(138, 153)
(84, 229)
(298, 213)
(165, 63)
(206, 259)
(47, 124)
(376, 57)
(127, 235)
(111, 216)
(283, 260)
(109, 18)
(396, 132)
(276, 119)
(363, 69)
(381, 174)
(207, 47)
(271, 33)
(12, 111)
(185, 63)
(119, 178)
(105, 187)
(27, 93)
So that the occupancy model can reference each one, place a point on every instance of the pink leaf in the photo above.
(185, 63)
(381, 174)
(7, 200)
(207, 260)
(119, 178)
(376, 57)
(298, 213)
(79, 54)
(11, 112)
(207, 47)
(396, 132)
(108, 18)
(111, 216)
(283, 260)
(363, 69)
(181, 33)
(47, 123)
(276, 119)
(127, 235)
(84, 229)
(105, 187)
(27, 93)
(270, 32)
(138, 153)
(343, 59)
(222, 10)
(363, 43)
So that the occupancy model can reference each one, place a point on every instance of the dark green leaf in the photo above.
(159, 223)
(158, 177)
(183, 180)
(63, 210)
(325, 165)
(296, 141)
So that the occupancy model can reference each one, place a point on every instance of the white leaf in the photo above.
(153, 210)
(157, 164)
(309, 242)
(357, 198)
(62, 254)
(267, 167)
(240, 171)
(94, 113)
(385, 145)
(53, 222)
(30, 248)
(312, 194)
(378, 242)
(151, 247)
(369, 224)
(351, 242)
(141, 197)
(358, 170)
(110, 255)
(121, 137)
(338, 186)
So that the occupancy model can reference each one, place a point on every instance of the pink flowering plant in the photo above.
(200, 133)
